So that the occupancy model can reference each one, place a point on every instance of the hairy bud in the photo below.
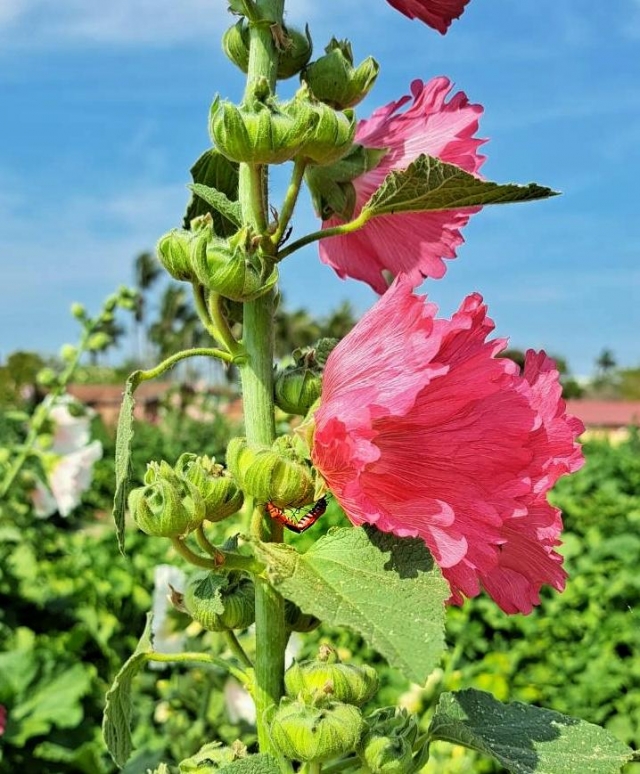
(220, 602)
(317, 682)
(220, 493)
(305, 733)
(333, 78)
(293, 55)
(270, 475)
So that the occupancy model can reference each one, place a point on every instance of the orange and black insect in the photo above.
(298, 525)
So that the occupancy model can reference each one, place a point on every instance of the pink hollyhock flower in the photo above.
(423, 431)
(3, 718)
(436, 13)
(409, 243)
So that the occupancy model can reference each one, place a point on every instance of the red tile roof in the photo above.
(606, 413)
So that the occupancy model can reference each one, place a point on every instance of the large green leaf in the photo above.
(116, 724)
(526, 739)
(124, 436)
(430, 184)
(213, 170)
(385, 587)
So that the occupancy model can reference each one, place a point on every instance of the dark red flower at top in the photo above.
(436, 13)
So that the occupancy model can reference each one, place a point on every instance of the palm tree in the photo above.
(147, 270)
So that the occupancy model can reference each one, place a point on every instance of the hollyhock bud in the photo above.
(270, 475)
(220, 602)
(414, 244)
(212, 757)
(232, 268)
(436, 13)
(425, 432)
(306, 733)
(174, 252)
(393, 722)
(333, 78)
(264, 133)
(297, 388)
(222, 497)
(317, 682)
(386, 754)
(333, 134)
(167, 505)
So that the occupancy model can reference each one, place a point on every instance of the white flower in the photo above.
(238, 701)
(68, 460)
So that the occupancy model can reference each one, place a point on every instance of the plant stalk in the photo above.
(257, 388)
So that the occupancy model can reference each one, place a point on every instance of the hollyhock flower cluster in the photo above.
(436, 13)
(68, 461)
(425, 432)
(412, 243)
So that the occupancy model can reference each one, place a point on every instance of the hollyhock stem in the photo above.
(290, 199)
(257, 389)
(343, 228)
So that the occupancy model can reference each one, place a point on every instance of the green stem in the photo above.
(257, 388)
(154, 373)
(237, 649)
(343, 228)
(221, 325)
(228, 560)
(201, 658)
(290, 199)
(205, 544)
(200, 303)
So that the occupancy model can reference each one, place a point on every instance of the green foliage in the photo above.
(374, 583)
(124, 438)
(578, 653)
(430, 184)
(526, 739)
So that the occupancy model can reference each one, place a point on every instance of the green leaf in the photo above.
(430, 184)
(212, 170)
(386, 588)
(52, 703)
(124, 436)
(526, 739)
(219, 202)
(116, 724)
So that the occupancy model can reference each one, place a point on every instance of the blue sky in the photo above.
(104, 108)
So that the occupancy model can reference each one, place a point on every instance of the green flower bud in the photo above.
(296, 620)
(386, 754)
(231, 268)
(304, 733)
(221, 495)
(68, 352)
(46, 377)
(334, 80)
(296, 389)
(235, 44)
(174, 252)
(79, 311)
(269, 475)
(98, 341)
(318, 682)
(263, 134)
(393, 722)
(220, 602)
(167, 505)
(333, 135)
(110, 303)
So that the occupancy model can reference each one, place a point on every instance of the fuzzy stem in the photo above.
(290, 199)
(237, 649)
(197, 658)
(343, 228)
(257, 388)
